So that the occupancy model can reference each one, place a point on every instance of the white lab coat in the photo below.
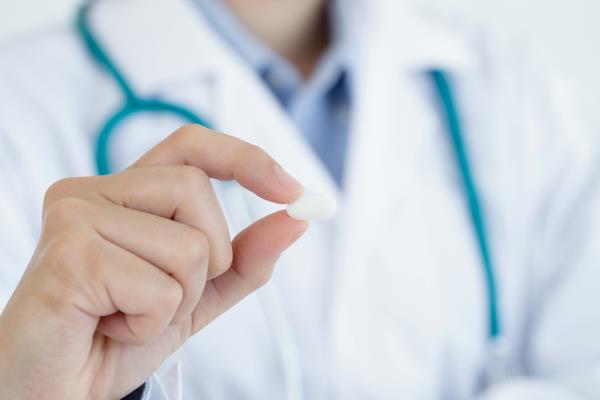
(387, 301)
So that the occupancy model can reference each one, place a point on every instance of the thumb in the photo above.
(255, 251)
(259, 246)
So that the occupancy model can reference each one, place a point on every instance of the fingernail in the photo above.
(287, 181)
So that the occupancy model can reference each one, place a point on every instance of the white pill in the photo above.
(312, 206)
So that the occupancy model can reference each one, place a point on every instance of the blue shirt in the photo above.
(319, 106)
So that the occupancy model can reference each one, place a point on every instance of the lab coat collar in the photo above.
(414, 41)
(158, 43)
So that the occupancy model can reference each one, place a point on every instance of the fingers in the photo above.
(177, 249)
(255, 249)
(224, 157)
(181, 193)
(163, 229)
(135, 300)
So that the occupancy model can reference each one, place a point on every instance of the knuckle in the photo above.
(64, 208)
(193, 178)
(196, 250)
(222, 259)
(59, 189)
(172, 295)
(64, 212)
(191, 128)
(69, 247)
(186, 133)
(255, 153)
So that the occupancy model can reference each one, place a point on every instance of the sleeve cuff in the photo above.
(141, 393)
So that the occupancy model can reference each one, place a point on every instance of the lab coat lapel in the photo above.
(156, 44)
(385, 270)
(383, 264)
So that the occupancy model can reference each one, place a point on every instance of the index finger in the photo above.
(225, 157)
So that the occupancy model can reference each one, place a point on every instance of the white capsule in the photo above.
(312, 207)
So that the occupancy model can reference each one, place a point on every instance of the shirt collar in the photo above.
(226, 24)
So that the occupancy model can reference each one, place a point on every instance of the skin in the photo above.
(130, 265)
(296, 30)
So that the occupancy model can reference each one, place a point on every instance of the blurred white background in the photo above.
(564, 33)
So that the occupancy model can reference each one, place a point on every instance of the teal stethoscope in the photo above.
(134, 104)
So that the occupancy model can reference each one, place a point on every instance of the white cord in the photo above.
(163, 390)
(179, 378)
(272, 306)
(285, 340)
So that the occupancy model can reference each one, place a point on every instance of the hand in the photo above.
(130, 265)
